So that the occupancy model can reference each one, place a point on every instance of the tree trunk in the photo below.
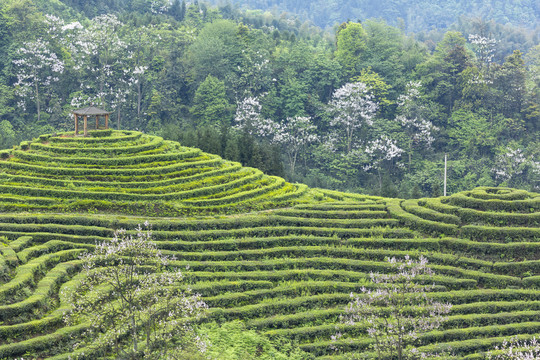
(37, 102)
(292, 161)
(380, 181)
(410, 157)
(349, 140)
(139, 96)
(134, 334)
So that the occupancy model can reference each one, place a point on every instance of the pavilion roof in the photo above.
(91, 110)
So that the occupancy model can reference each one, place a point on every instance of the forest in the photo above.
(415, 15)
(366, 105)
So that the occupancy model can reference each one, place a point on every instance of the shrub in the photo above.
(232, 341)
(100, 133)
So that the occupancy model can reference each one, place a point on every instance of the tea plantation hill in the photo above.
(281, 257)
(132, 173)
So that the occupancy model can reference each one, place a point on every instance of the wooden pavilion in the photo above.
(90, 111)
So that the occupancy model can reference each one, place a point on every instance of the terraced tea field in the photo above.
(133, 173)
(286, 270)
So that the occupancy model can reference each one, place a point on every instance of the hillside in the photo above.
(286, 271)
(417, 15)
(133, 173)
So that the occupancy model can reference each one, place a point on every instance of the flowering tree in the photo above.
(159, 6)
(248, 118)
(399, 310)
(132, 302)
(248, 114)
(412, 117)
(514, 349)
(104, 60)
(484, 48)
(512, 163)
(354, 108)
(377, 152)
(37, 67)
(295, 135)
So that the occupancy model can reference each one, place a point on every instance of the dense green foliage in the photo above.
(182, 71)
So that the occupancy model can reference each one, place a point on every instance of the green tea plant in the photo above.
(132, 302)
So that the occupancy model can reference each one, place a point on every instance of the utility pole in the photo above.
(445, 161)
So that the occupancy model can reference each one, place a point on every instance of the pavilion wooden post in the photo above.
(90, 112)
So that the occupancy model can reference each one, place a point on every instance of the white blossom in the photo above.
(412, 117)
(294, 135)
(484, 46)
(248, 118)
(383, 148)
(37, 67)
(130, 292)
(159, 6)
(397, 308)
(515, 349)
(512, 162)
(353, 108)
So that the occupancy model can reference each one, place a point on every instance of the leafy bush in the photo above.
(100, 133)
(232, 341)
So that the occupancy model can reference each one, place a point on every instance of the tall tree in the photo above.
(353, 108)
(38, 67)
(216, 51)
(377, 152)
(178, 10)
(351, 45)
(412, 116)
(210, 104)
(510, 82)
(127, 305)
(294, 136)
(440, 74)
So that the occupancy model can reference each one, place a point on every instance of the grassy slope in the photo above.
(287, 267)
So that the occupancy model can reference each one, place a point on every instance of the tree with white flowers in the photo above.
(248, 118)
(516, 349)
(37, 68)
(484, 48)
(134, 300)
(514, 163)
(105, 64)
(412, 117)
(377, 152)
(294, 135)
(398, 309)
(353, 108)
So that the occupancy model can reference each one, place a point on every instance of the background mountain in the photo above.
(411, 15)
